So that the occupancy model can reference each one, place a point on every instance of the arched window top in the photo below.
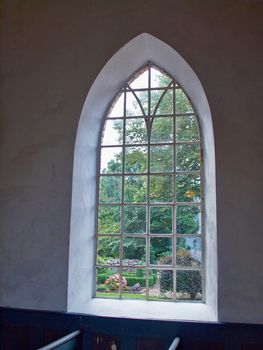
(151, 79)
(142, 49)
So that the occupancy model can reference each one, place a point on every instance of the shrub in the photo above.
(114, 281)
(153, 275)
(186, 282)
(140, 273)
(101, 278)
(131, 281)
(166, 281)
(101, 288)
(131, 278)
(185, 258)
(130, 274)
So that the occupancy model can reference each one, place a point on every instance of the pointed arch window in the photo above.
(150, 232)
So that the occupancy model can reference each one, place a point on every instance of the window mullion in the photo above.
(203, 229)
(148, 187)
(122, 195)
(174, 207)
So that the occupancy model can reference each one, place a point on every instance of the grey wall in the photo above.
(51, 52)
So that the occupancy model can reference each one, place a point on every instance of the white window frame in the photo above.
(119, 68)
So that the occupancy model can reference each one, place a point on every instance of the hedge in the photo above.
(101, 277)
(131, 279)
(186, 282)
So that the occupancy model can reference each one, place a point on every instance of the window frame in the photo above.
(174, 86)
(117, 70)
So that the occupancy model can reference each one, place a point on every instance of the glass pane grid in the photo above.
(131, 88)
(130, 145)
(174, 203)
(193, 172)
(150, 194)
(159, 115)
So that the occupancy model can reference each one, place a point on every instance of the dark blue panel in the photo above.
(31, 327)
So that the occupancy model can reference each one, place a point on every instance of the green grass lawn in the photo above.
(129, 296)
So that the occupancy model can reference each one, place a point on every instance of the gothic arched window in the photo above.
(150, 232)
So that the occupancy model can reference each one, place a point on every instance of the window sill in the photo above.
(151, 310)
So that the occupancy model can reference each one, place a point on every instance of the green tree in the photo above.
(162, 158)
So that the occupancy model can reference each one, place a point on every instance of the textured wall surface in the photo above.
(51, 52)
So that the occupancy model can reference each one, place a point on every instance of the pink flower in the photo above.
(113, 281)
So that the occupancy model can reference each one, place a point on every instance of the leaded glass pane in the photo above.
(134, 251)
(155, 97)
(134, 219)
(162, 130)
(188, 188)
(107, 282)
(161, 159)
(188, 285)
(108, 250)
(166, 103)
(111, 160)
(136, 159)
(162, 289)
(188, 252)
(161, 220)
(135, 188)
(161, 251)
(133, 107)
(110, 189)
(135, 131)
(161, 188)
(188, 157)
(109, 219)
(143, 98)
(183, 105)
(134, 283)
(188, 219)
(187, 129)
(140, 80)
(159, 79)
(117, 108)
(113, 132)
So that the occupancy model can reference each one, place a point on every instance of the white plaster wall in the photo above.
(51, 52)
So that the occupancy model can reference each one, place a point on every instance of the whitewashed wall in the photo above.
(51, 52)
